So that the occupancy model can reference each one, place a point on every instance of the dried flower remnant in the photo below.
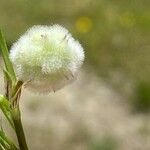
(48, 57)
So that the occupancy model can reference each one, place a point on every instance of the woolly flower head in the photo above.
(47, 57)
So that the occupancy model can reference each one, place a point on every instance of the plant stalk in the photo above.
(19, 128)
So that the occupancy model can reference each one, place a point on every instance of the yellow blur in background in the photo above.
(84, 24)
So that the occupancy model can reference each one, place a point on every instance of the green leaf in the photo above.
(5, 54)
(1, 146)
(8, 83)
(6, 143)
(8, 76)
(5, 107)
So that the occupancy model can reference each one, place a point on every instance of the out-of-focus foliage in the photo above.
(142, 98)
(107, 143)
(115, 34)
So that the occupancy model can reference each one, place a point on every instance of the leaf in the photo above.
(1, 147)
(5, 107)
(6, 143)
(8, 83)
(8, 76)
(5, 54)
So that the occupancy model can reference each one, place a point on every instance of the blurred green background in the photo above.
(116, 37)
(115, 34)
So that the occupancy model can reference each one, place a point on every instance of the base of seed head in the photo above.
(45, 88)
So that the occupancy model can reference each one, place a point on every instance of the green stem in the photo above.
(19, 129)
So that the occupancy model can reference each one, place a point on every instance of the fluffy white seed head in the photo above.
(47, 57)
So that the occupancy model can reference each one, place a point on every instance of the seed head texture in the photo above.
(47, 57)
